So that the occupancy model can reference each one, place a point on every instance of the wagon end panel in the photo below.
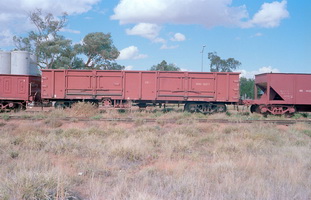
(46, 87)
(53, 84)
(234, 91)
(227, 87)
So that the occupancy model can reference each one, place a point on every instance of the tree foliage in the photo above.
(52, 49)
(222, 65)
(100, 51)
(247, 88)
(163, 66)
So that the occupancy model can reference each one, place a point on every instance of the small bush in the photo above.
(228, 113)
(307, 132)
(53, 123)
(14, 154)
(83, 109)
(97, 117)
(5, 117)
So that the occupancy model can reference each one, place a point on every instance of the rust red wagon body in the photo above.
(281, 93)
(17, 90)
(206, 92)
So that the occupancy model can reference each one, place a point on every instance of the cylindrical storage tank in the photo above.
(5, 62)
(20, 62)
(34, 70)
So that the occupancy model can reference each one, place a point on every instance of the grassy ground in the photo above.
(53, 159)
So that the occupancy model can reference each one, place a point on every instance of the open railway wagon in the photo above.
(202, 92)
(18, 90)
(280, 93)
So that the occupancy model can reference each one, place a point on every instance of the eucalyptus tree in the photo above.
(247, 88)
(52, 49)
(222, 65)
(100, 51)
(164, 66)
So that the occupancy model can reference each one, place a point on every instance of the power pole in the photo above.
(202, 57)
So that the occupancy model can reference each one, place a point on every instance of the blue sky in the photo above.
(263, 35)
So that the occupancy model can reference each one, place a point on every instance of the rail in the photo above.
(155, 120)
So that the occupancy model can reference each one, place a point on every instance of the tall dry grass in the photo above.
(54, 159)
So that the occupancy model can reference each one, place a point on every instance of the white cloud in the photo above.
(164, 46)
(131, 52)
(55, 7)
(6, 38)
(14, 14)
(147, 30)
(129, 67)
(209, 13)
(257, 35)
(178, 37)
(270, 14)
(70, 31)
(251, 74)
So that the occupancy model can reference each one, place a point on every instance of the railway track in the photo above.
(155, 120)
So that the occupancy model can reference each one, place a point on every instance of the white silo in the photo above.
(5, 62)
(20, 62)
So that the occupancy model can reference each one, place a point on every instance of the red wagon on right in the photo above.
(280, 93)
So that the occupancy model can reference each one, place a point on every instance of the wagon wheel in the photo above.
(255, 109)
(221, 108)
(190, 107)
(19, 107)
(107, 103)
(58, 105)
(142, 105)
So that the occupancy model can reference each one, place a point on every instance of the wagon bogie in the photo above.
(205, 107)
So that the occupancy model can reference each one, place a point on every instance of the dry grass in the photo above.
(53, 159)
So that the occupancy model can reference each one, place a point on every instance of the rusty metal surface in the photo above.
(140, 85)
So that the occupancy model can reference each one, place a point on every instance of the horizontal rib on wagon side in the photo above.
(204, 92)
(282, 93)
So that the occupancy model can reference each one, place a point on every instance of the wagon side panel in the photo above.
(303, 89)
(201, 87)
(149, 85)
(15, 87)
(132, 86)
(172, 86)
(109, 84)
